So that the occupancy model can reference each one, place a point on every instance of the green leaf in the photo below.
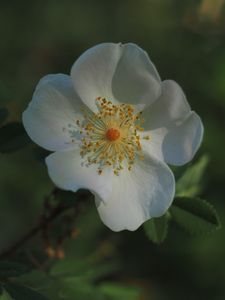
(13, 137)
(117, 291)
(73, 288)
(84, 269)
(69, 267)
(1, 289)
(3, 114)
(190, 183)
(156, 229)
(5, 296)
(40, 280)
(195, 215)
(19, 292)
(12, 269)
(101, 271)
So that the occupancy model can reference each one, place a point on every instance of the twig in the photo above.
(35, 230)
(54, 212)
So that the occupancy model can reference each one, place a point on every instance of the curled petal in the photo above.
(170, 107)
(136, 80)
(182, 142)
(120, 73)
(177, 143)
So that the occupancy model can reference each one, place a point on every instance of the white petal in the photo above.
(53, 107)
(181, 143)
(177, 143)
(144, 192)
(93, 71)
(120, 73)
(67, 172)
(169, 107)
(136, 80)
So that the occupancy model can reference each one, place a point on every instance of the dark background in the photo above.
(186, 41)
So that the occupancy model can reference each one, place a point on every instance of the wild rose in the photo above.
(114, 126)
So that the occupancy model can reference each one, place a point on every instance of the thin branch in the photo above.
(54, 212)
(35, 230)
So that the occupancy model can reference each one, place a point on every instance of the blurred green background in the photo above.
(186, 41)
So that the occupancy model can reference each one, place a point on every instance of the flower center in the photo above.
(112, 134)
(110, 137)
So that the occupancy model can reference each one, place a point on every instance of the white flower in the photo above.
(113, 126)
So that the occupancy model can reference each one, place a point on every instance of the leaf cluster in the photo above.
(194, 215)
(67, 279)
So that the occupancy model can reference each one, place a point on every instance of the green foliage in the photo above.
(3, 114)
(84, 269)
(12, 137)
(156, 229)
(190, 183)
(19, 292)
(117, 291)
(12, 269)
(41, 281)
(80, 280)
(5, 296)
(80, 289)
(195, 215)
(69, 267)
(174, 35)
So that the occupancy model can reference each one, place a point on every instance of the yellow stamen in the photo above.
(110, 137)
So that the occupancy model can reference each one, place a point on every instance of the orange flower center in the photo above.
(112, 134)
